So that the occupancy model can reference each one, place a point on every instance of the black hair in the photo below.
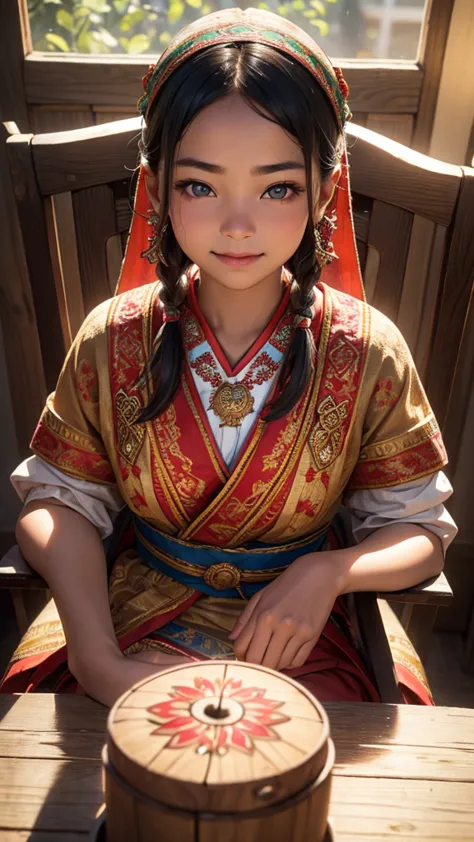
(282, 90)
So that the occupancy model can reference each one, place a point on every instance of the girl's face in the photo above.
(239, 205)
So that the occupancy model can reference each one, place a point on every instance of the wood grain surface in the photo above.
(115, 81)
(455, 301)
(401, 772)
(17, 313)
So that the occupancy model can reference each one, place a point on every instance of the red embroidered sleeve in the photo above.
(68, 434)
(401, 439)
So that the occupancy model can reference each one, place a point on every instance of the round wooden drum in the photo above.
(217, 751)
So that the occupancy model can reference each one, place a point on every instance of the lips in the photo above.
(236, 255)
(237, 260)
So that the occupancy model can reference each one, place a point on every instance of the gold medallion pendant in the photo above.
(232, 402)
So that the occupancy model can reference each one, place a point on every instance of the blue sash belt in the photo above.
(217, 571)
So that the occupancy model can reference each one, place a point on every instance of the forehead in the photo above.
(230, 130)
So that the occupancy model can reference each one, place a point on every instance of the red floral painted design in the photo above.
(251, 716)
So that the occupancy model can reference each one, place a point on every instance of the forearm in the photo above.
(66, 550)
(390, 559)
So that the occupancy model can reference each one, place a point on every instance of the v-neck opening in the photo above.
(253, 430)
(257, 345)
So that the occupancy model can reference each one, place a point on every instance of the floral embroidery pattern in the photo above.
(262, 369)
(86, 380)
(189, 486)
(191, 330)
(245, 716)
(129, 434)
(325, 440)
(282, 337)
(384, 394)
(206, 368)
(74, 452)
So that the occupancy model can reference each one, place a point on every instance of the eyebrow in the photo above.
(264, 169)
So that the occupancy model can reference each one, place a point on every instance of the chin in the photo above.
(238, 279)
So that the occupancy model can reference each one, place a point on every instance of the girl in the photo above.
(231, 406)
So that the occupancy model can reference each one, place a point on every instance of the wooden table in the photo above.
(401, 772)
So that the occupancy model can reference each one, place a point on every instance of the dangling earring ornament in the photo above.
(153, 253)
(323, 235)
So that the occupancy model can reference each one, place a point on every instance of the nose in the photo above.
(238, 225)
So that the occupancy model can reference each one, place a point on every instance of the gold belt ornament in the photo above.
(217, 575)
(224, 575)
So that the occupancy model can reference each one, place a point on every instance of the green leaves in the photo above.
(57, 42)
(130, 20)
(140, 26)
(99, 6)
(322, 25)
(319, 6)
(175, 11)
(138, 44)
(65, 19)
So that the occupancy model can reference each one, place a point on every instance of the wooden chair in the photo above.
(415, 232)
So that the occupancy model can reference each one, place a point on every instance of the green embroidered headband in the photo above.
(237, 26)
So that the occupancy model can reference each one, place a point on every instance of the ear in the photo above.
(326, 192)
(152, 186)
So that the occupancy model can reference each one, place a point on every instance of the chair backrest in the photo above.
(413, 216)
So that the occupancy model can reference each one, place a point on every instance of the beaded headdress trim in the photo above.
(315, 60)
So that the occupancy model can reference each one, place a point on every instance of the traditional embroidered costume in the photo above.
(222, 501)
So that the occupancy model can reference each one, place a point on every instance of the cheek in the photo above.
(189, 214)
(288, 220)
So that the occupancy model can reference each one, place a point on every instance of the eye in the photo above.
(194, 189)
(284, 190)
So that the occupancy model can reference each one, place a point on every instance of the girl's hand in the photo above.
(282, 623)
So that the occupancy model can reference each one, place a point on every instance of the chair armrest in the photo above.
(434, 591)
(15, 572)
(373, 644)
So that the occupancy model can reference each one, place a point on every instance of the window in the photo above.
(366, 29)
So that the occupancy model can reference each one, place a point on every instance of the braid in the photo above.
(299, 359)
(165, 365)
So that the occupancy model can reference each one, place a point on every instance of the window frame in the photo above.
(381, 87)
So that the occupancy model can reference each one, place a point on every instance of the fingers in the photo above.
(242, 642)
(303, 654)
(245, 616)
(278, 644)
(289, 653)
(275, 644)
(258, 640)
